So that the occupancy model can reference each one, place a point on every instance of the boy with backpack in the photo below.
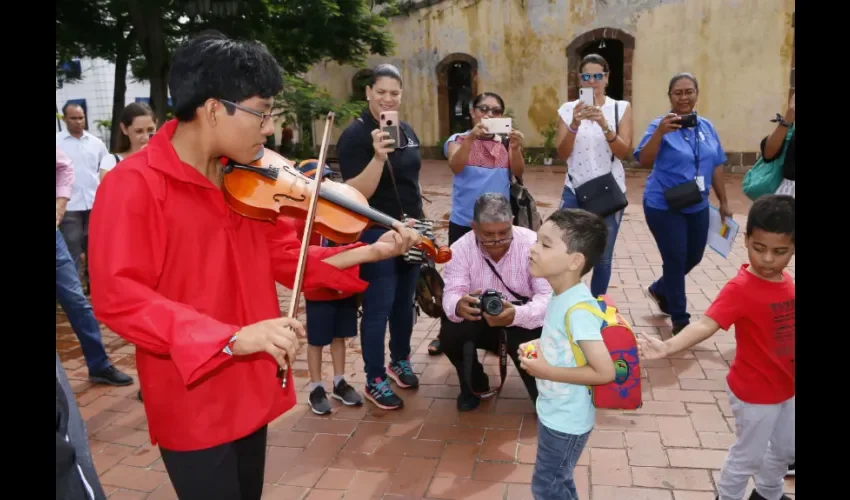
(760, 302)
(569, 244)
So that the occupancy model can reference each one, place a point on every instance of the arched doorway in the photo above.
(457, 85)
(617, 47)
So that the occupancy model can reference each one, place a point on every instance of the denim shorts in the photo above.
(330, 319)
(557, 456)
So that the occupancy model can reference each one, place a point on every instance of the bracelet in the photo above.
(616, 136)
(780, 120)
(570, 128)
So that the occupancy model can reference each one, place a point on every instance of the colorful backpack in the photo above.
(624, 392)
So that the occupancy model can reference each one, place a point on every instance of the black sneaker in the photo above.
(111, 376)
(791, 470)
(319, 401)
(379, 392)
(659, 300)
(679, 327)
(402, 374)
(347, 394)
(467, 402)
(755, 495)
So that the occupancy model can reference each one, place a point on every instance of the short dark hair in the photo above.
(480, 97)
(385, 71)
(582, 232)
(772, 213)
(212, 66)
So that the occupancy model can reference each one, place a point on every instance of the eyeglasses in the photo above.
(585, 77)
(487, 109)
(686, 92)
(264, 117)
(493, 243)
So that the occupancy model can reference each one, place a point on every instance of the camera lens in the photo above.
(389, 122)
(493, 306)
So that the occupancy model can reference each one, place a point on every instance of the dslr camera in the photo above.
(490, 302)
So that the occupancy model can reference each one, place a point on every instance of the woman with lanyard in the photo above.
(138, 124)
(480, 162)
(388, 176)
(684, 153)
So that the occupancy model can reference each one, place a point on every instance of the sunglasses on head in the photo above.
(483, 108)
(585, 77)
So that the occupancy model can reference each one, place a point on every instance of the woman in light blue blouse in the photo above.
(684, 152)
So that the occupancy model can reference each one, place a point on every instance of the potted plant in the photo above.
(549, 134)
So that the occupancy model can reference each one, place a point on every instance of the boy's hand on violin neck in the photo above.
(278, 337)
(394, 243)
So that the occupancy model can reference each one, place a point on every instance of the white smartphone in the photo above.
(585, 95)
(500, 126)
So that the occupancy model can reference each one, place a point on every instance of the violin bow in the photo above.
(308, 229)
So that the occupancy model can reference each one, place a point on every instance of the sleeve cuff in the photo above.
(450, 306)
(63, 192)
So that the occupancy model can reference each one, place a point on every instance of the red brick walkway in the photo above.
(671, 449)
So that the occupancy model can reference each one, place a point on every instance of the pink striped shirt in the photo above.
(467, 272)
(64, 174)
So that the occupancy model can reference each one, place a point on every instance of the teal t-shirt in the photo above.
(567, 408)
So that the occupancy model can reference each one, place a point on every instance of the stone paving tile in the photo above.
(671, 449)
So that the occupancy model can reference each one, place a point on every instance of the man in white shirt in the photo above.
(85, 151)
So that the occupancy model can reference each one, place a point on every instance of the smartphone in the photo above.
(389, 124)
(585, 95)
(687, 121)
(500, 126)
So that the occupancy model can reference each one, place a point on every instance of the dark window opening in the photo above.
(460, 96)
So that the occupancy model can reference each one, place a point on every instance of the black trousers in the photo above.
(453, 337)
(231, 471)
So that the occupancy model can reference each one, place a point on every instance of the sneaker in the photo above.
(467, 402)
(347, 394)
(755, 495)
(111, 376)
(379, 392)
(791, 470)
(319, 401)
(402, 374)
(659, 300)
(679, 327)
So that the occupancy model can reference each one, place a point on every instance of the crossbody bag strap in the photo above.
(521, 297)
(389, 166)
(616, 128)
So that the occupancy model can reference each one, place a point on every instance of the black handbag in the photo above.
(602, 195)
(687, 194)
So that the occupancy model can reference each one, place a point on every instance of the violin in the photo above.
(272, 186)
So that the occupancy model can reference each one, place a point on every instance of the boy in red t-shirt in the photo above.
(759, 301)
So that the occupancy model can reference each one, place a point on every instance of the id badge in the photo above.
(701, 183)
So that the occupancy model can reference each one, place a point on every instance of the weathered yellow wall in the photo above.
(740, 50)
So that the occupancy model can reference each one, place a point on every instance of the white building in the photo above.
(94, 92)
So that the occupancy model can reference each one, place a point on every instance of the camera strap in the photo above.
(503, 332)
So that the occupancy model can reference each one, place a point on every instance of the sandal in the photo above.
(434, 348)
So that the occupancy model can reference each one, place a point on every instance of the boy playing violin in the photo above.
(191, 283)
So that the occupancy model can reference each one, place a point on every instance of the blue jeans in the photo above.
(69, 292)
(602, 270)
(557, 456)
(389, 298)
(681, 240)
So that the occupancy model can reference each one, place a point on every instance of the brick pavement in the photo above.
(671, 449)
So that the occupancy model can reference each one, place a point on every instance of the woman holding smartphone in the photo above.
(387, 173)
(684, 152)
(594, 139)
(481, 162)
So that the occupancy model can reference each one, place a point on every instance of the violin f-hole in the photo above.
(281, 195)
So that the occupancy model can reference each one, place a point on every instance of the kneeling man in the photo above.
(490, 298)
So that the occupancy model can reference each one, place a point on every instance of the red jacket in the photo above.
(320, 294)
(176, 272)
